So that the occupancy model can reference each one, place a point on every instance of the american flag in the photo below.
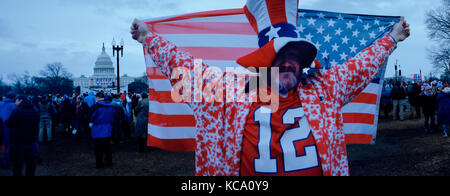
(220, 37)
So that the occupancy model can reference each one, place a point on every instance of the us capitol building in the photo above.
(104, 77)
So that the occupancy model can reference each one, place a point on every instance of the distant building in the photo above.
(104, 77)
(401, 79)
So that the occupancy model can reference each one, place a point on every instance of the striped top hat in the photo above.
(275, 23)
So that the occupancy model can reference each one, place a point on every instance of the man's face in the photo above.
(290, 73)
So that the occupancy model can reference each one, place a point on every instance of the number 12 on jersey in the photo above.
(291, 162)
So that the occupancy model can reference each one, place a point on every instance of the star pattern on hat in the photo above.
(306, 71)
(273, 32)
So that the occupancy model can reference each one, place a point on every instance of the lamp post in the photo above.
(396, 70)
(118, 49)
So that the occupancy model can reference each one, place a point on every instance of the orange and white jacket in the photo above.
(220, 125)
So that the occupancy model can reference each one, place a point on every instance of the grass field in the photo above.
(402, 149)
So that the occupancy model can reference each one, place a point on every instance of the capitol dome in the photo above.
(104, 74)
(103, 60)
(104, 77)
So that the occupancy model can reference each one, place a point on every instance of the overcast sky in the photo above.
(35, 33)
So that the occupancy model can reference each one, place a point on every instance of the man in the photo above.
(103, 120)
(45, 110)
(117, 133)
(414, 99)
(443, 113)
(141, 129)
(398, 95)
(24, 127)
(386, 100)
(429, 104)
(90, 99)
(7, 108)
(247, 138)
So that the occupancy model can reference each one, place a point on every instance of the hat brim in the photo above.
(264, 56)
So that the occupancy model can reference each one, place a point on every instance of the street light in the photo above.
(118, 49)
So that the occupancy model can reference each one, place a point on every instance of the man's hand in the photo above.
(139, 30)
(401, 30)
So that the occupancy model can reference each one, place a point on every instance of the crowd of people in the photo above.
(430, 98)
(105, 118)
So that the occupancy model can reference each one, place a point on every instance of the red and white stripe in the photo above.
(219, 38)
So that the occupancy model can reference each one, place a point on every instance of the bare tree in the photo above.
(55, 79)
(441, 59)
(24, 83)
(55, 71)
(438, 23)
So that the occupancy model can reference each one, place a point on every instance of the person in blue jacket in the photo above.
(444, 110)
(103, 119)
(1, 128)
(386, 100)
(6, 109)
(90, 99)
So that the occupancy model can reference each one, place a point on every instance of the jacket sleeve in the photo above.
(1, 131)
(171, 60)
(12, 121)
(138, 108)
(348, 80)
(94, 115)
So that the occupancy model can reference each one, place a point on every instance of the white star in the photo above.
(382, 29)
(320, 30)
(311, 21)
(392, 23)
(372, 35)
(343, 56)
(333, 63)
(327, 38)
(302, 14)
(363, 42)
(273, 32)
(340, 17)
(366, 27)
(353, 49)
(331, 23)
(301, 28)
(321, 15)
(306, 70)
(359, 19)
(355, 33)
(318, 45)
(309, 37)
(349, 25)
(377, 22)
(325, 54)
(335, 47)
(338, 31)
(345, 40)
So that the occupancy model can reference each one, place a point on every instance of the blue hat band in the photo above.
(276, 31)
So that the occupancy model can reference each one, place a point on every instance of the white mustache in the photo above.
(286, 87)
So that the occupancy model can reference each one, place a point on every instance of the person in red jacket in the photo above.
(304, 134)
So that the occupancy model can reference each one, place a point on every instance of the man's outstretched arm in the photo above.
(348, 80)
